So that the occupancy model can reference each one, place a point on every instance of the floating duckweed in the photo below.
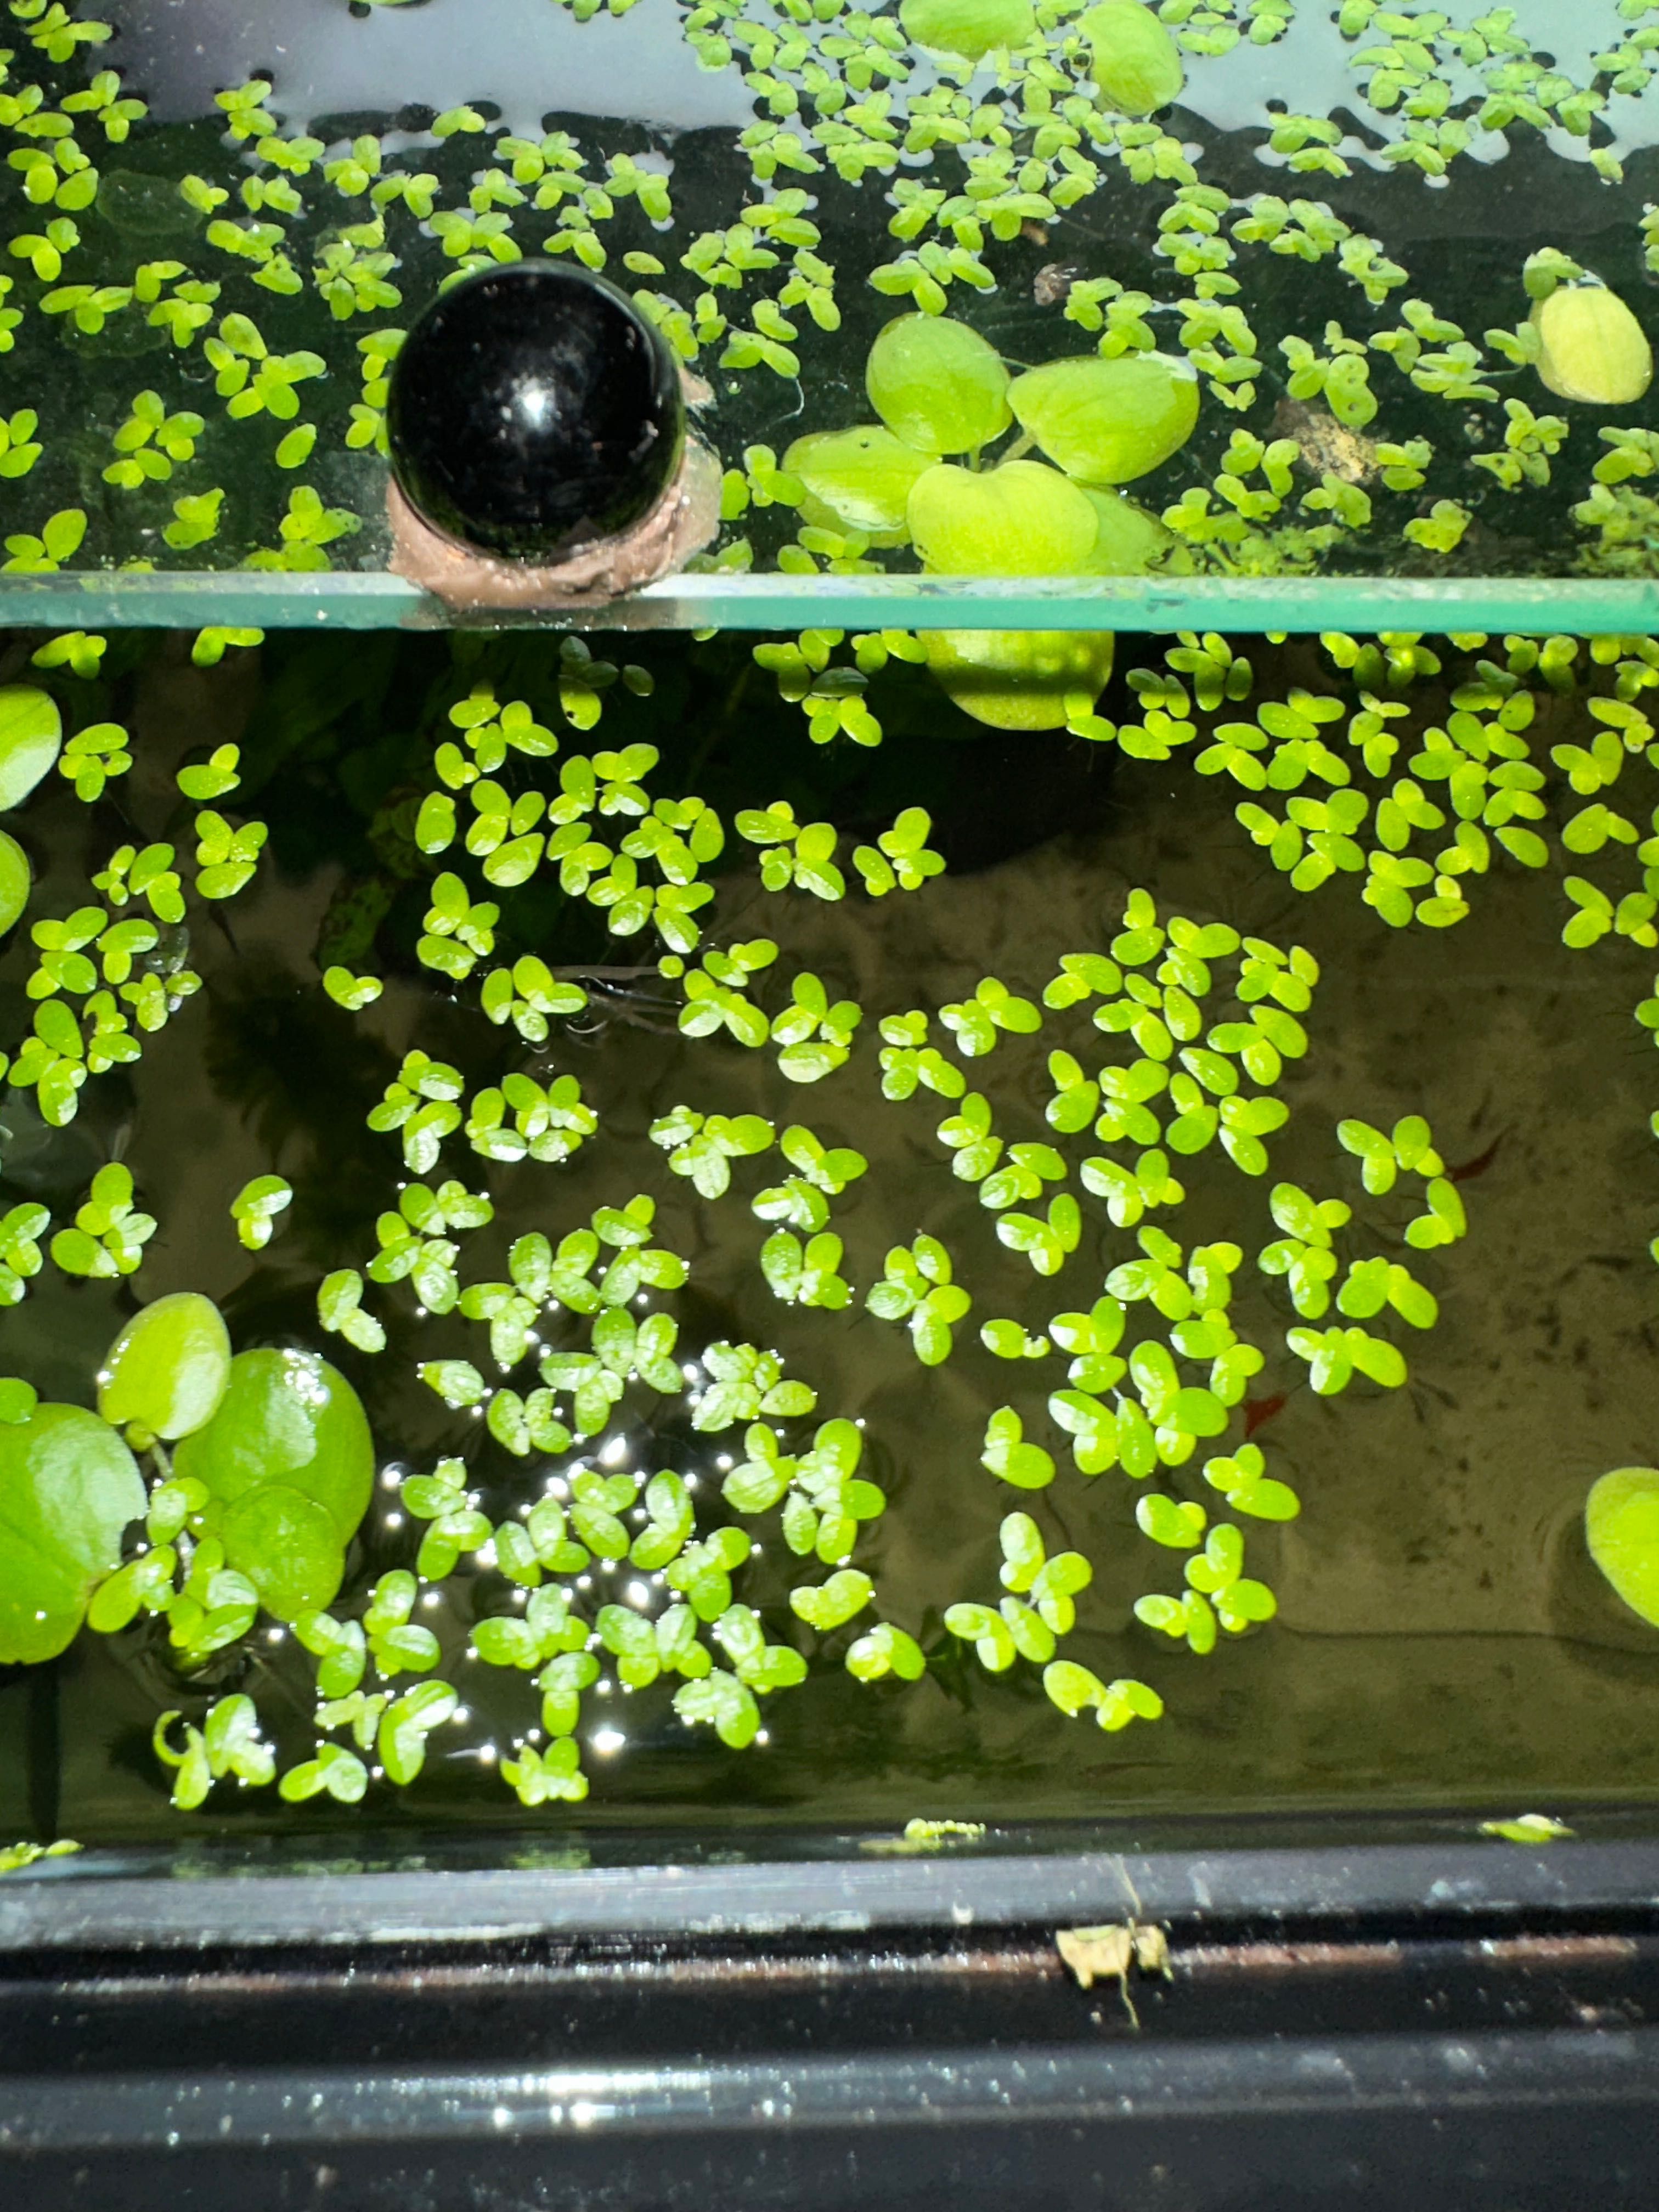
(918, 1288)
(1526, 1828)
(255, 1208)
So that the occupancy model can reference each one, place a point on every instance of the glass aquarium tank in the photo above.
(941, 1196)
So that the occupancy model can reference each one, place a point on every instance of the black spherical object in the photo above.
(533, 410)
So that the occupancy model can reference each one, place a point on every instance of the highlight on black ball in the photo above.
(533, 411)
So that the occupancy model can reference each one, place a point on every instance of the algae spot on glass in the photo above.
(1621, 1527)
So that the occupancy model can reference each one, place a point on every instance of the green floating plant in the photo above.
(228, 1743)
(918, 1288)
(815, 1037)
(1218, 1595)
(702, 1147)
(1334, 1356)
(1008, 1455)
(255, 1208)
(1076, 1689)
(976, 1022)
(900, 859)
(110, 1232)
(809, 1274)
(885, 1650)
(910, 1062)
(1242, 1479)
(794, 853)
(801, 1201)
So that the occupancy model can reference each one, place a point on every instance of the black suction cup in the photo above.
(533, 410)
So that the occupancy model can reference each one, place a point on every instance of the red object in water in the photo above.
(1471, 1168)
(1258, 1410)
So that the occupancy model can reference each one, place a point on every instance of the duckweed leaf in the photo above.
(1445, 1220)
(255, 1208)
(984, 1628)
(1045, 1241)
(1009, 1340)
(353, 993)
(335, 1771)
(884, 1650)
(543, 1776)
(1075, 1689)
(341, 1649)
(721, 1701)
(405, 1725)
(1176, 1524)
(340, 1310)
(1335, 1355)
(1526, 1828)
(1242, 1481)
(1006, 1455)
(832, 1603)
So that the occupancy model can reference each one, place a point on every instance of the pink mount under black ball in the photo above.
(532, 410)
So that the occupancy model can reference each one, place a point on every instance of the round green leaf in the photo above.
(1019, 679)
(1022, 520)
(67, 1488)
(15, 882)
(168, 1368)
(1104, 420)
(1137, 65)
(937, 385)
(288, 1419)
(31, 733)
(860, 478)
(1621, 1526)
(287, 1545)
(971, 28)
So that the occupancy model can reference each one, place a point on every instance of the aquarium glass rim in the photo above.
(754, 1886)
(1541, 606)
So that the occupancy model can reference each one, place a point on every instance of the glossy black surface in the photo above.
(533, 410)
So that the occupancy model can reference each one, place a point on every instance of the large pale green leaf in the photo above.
(168, 1368)
(937, 385)
(1106, 421)
(289, 1422)
(31, 731)
(1621, 1524)
(15, 881)
(971, 28)
(857, 479)
(1023, 520)
(1137, 65)
(1019, 679)
(67, 1488)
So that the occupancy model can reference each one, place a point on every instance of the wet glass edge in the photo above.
(1584, 607)
(750, 1882)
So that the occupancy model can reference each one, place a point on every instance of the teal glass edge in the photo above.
(1584, 607)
